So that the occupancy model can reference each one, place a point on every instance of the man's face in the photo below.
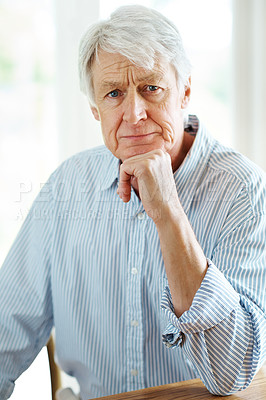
(139, 110)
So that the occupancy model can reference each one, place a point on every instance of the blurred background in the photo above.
(44, 118)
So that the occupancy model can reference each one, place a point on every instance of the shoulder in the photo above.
(82, 176)
(86, 172)
(87, 163)
(236, 165)
(87, 158)
(234, 169)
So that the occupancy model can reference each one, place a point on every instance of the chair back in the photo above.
(54, 369)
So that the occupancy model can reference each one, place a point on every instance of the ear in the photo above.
(95, 113)
(186, 97)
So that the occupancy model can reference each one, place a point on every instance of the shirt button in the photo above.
(134, 271)
(169, 345)
(134, 372)
(141, 216)
(134, 323)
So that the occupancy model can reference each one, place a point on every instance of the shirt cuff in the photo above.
(215, 300)
(6, 389)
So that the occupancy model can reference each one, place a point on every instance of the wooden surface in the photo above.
(195, 390)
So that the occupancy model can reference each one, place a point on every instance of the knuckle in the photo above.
(158, 153)
(148, 163)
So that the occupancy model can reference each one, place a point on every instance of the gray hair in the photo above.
(140, 34)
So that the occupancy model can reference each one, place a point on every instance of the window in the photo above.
(28, 150)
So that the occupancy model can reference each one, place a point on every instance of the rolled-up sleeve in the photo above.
(215, 301)
(224, 331)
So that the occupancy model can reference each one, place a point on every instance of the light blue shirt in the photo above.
(91, 265)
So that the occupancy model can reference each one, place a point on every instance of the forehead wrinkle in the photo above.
(115, 66)
(151, 77)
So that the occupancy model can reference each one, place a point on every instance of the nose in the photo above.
(134, 108)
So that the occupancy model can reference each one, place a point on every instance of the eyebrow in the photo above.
(145, 78)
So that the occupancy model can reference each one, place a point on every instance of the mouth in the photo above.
(139, 137)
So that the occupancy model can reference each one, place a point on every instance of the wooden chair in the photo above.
(54, 369)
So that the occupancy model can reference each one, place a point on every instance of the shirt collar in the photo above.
(201, 148)
(111, 172)
(189, 174)
(192, 125)
(196, 158)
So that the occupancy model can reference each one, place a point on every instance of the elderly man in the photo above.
(147, 254)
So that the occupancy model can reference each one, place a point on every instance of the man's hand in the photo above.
(151, 175)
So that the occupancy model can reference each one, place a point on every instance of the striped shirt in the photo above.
(91, 266)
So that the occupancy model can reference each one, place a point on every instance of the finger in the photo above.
(124, 186)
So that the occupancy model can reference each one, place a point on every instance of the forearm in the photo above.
(152, 178)
(184, 260)
(222, 334)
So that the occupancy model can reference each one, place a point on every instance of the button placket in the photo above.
(135, 361)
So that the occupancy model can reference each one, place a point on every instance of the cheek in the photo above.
(109, 126)
(167, 119)
(109, 135)
(172, 126)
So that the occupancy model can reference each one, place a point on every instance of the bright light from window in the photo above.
(28, 152)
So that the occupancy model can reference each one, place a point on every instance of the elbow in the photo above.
(228, 387)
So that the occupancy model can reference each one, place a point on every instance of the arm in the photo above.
(26, 317)
(177, 238)
(222, 331)
(156, 187)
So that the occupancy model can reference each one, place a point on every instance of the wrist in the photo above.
(168, 214)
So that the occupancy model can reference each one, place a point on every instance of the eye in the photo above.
(152, 88)
(113, 94)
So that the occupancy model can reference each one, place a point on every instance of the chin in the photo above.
(138, 150)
